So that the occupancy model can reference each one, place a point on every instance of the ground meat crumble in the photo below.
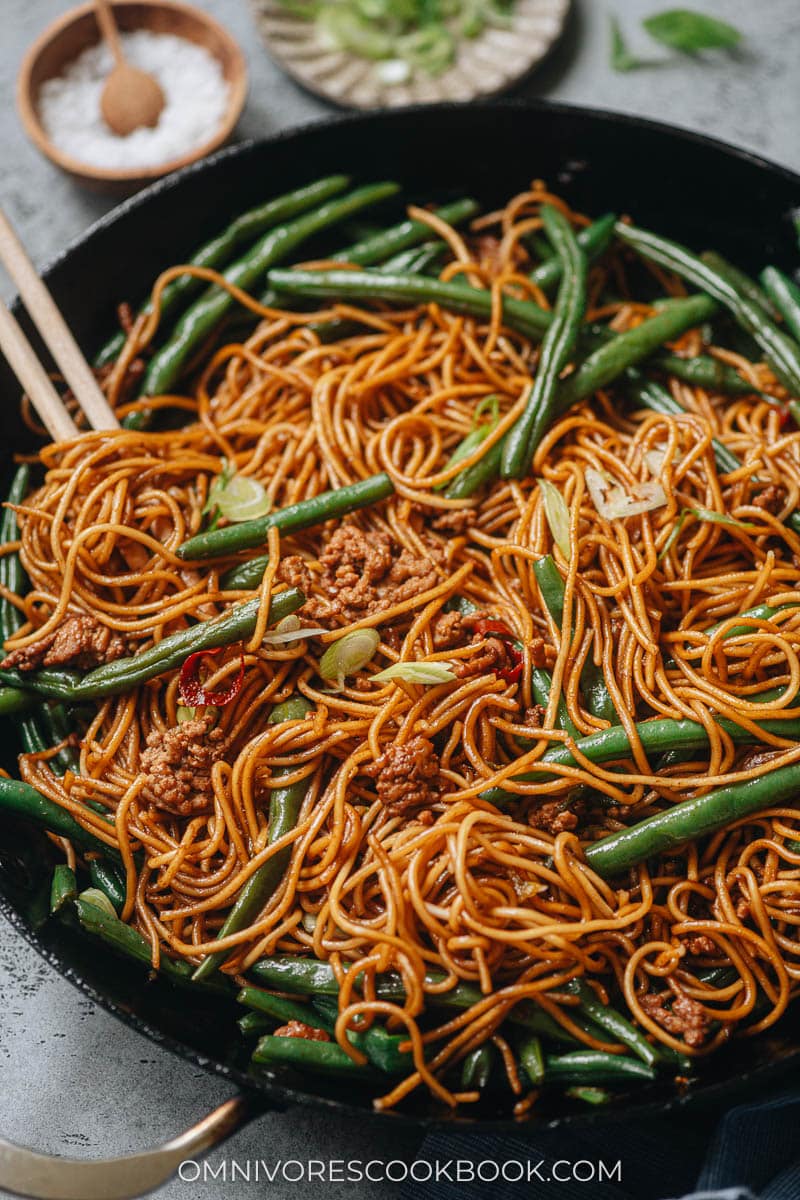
(362, 574)
(453, 629)
(771, 499)
(553, 817)
(299, 1029)
(176, 764)
(685, 1018)
(406, 776)
(80, 641)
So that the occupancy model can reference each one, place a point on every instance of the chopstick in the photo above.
(56, 336)
(34, 379)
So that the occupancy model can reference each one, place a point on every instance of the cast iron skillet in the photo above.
(681, 184)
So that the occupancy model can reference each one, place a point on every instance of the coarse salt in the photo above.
(195, 91)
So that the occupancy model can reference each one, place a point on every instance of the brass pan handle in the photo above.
(49, 1177)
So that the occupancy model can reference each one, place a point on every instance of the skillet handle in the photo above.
(49, 1177)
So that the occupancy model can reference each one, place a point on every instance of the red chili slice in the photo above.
(490, 625)
(191, 690)
(512, 674)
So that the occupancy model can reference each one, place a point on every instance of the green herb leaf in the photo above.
(416, 672)
(557, 513)
(689, 32)
(621, 57)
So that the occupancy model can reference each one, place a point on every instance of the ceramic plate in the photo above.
(485, 65)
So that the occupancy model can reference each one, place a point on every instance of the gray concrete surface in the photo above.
(72, 1080)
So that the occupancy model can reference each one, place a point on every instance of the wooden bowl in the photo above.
(71, 34)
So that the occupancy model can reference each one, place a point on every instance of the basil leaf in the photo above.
(688, 31)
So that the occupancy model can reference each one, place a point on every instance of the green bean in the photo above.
(655, 736)
(593, 1066)
(54, 683)
(613, 1022)
(609, 361)
(551, 588)
(472, 479)
(522, 315)
(417, 261)
(246, 576)
(785, 294)
(111, 679)
(557, 346)
(21, 800)
(12, 576)
(204, 315)
(281, 1009)
(476, 437)
(740, 280)
(477, 1068)
(127, 941)
(109, 880)
(253, 1024)
(705, 372)
(531, 1058)
(64, 888)
(58, 729)
(303, 515)
(541, 689)
(309, 977)
(215, 253)
(692, 819)
(321, 1058)
(782, 354)
(404, 236)
(15, 700)
(284, 810)
(593, 241)
(381, 1047)
(170, 653)
(720, 977)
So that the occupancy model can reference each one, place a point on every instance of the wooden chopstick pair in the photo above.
(57, 337)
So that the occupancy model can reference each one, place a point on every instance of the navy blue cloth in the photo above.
(751, 1153)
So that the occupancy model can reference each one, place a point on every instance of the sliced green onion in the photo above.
(291, 629)
(416, 672)
(674, 534)
(99, 900)
(477, 434)
(238, 497)
(702, 514)
(557, 513)
(348, 655)
(183, 714)
(708, 514)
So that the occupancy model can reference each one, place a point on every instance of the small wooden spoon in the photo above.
(131, 98)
